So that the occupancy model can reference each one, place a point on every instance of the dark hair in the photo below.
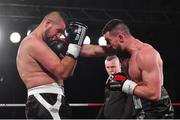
(116, 25)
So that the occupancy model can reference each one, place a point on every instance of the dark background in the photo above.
(154, 21)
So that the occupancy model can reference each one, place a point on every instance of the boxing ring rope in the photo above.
(71, 104)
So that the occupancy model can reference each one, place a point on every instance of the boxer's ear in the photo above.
(121, 37)
(47, 22)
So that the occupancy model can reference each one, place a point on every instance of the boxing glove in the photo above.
(59, 47)
(75, 34)
(120, 82)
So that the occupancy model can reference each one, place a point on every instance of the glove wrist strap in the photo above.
(73, 50)
(128, 86)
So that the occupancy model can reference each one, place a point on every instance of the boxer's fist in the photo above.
(115, 82)
(58, 46)
(75, 34)
(119, 81)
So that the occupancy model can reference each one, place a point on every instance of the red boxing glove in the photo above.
(119, 81)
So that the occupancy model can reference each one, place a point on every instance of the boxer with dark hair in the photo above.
(144, 68)
(44, 61)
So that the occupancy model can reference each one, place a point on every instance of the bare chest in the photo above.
(133, 69)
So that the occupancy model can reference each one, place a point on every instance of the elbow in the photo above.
(61, 73)
(63, 77)
(83, 54)
(155, 97)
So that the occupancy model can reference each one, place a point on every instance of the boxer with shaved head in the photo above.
(44, 61)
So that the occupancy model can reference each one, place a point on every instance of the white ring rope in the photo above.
(71, 104)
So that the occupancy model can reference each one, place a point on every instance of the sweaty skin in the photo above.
(145, 68)
(31, 71)
(37, 64)
(144, 65)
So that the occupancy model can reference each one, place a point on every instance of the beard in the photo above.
(46, 35)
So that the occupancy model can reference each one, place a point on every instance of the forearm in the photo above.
(96, 51)
(65, 68)
(150, 93)
(73, 69)
(147, 89)
(76, 33)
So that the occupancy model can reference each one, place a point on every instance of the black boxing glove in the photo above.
(58, 46)
(119, 81)
(75, 34)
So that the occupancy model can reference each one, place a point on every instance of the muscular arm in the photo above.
(96, 51)
(46, 57)
(152, 76)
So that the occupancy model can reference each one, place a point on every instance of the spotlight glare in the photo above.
(28, 32)
(102, 41)
(15, 37)
(31, 28)
(87, 40)
(62, 36)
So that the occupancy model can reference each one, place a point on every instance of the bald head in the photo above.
(55, 16)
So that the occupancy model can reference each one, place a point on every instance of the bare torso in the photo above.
(134, 71)
(31, 72)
